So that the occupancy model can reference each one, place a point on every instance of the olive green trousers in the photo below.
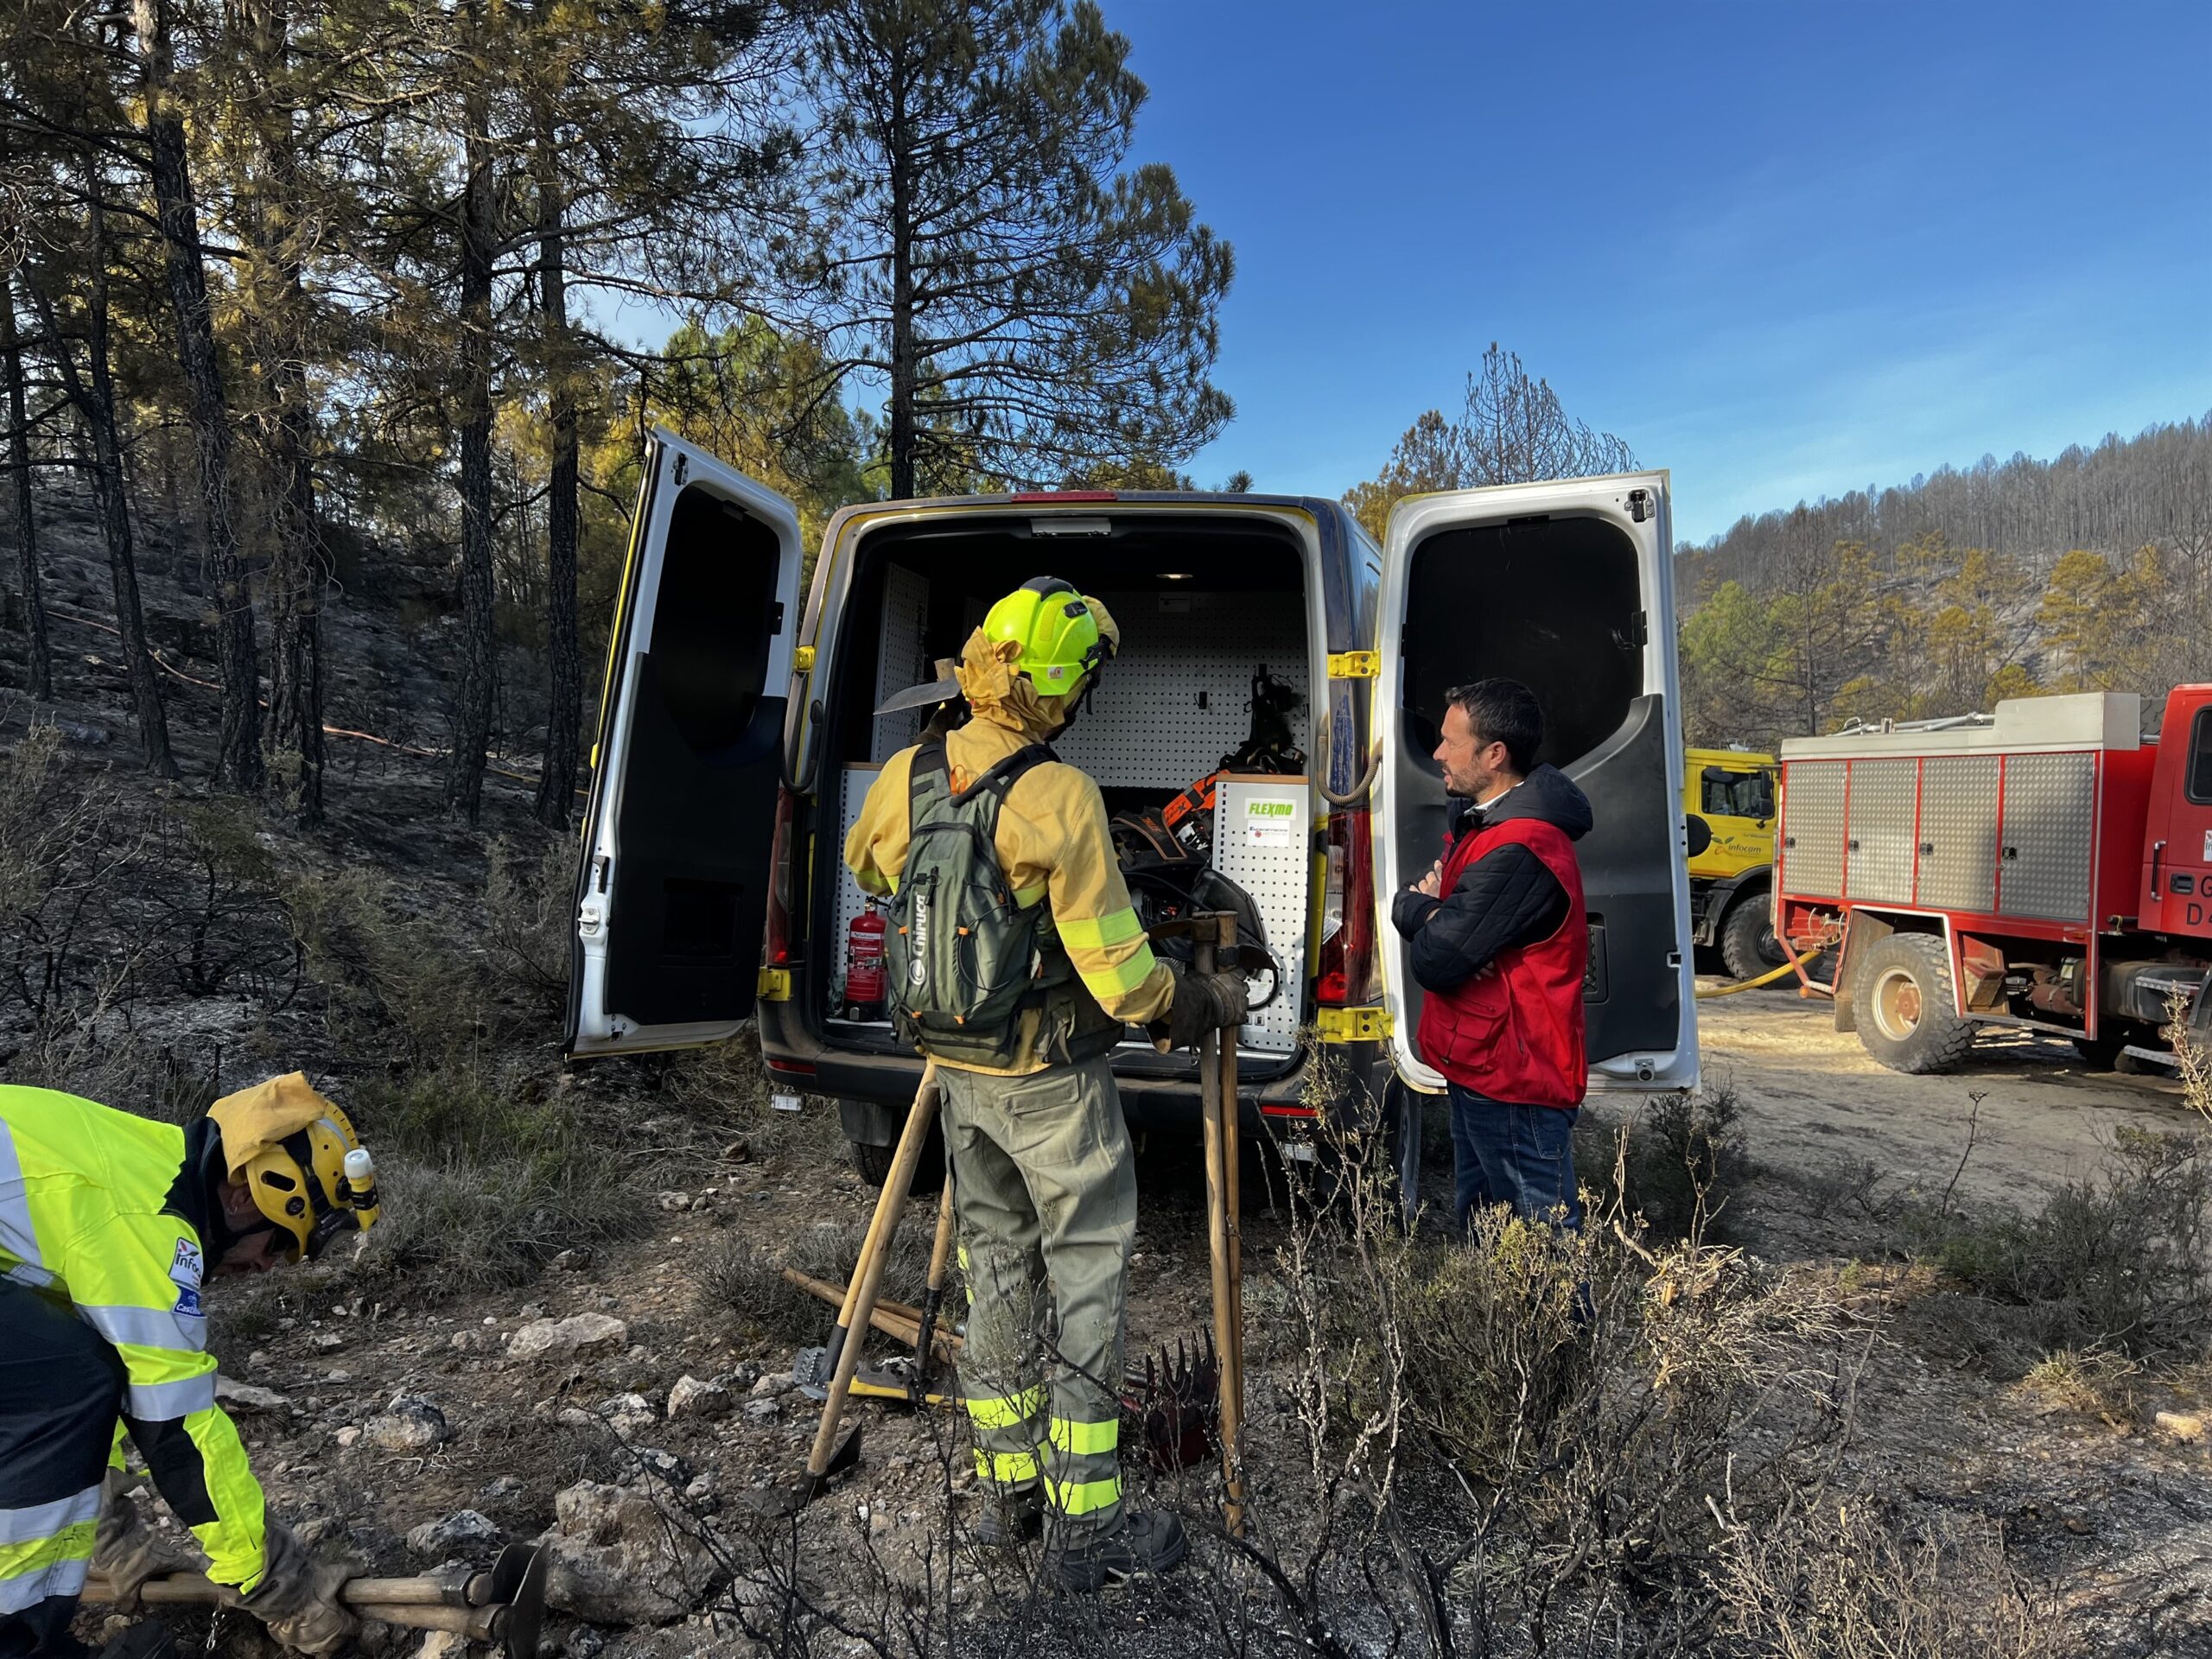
(1045, 1194)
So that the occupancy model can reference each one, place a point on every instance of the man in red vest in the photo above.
(1501, 946)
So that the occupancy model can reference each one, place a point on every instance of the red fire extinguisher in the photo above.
(864, 964)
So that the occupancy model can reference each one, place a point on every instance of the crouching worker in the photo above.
(109, 1223)
(1501, 946)
(1014, 962)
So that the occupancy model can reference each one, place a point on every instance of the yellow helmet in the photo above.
(307, 1171)
(1057, 631)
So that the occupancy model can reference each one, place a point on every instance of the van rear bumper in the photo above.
(874, 1091)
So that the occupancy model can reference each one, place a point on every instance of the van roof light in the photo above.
(1036, 498)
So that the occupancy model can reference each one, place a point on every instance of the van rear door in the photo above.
(1569, 587)
(671, 894)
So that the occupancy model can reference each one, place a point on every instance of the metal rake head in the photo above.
(1179, 1405)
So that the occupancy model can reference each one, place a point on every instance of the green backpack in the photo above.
(961, 959)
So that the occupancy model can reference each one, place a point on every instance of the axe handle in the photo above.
(197, 1590)
(867, 1275)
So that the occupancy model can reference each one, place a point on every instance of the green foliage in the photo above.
(975, 246)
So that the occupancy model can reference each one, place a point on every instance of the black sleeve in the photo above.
(1504, 898)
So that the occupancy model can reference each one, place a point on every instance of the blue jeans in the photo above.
(1521, 1156)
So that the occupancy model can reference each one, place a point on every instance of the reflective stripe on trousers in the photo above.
(42, 1569)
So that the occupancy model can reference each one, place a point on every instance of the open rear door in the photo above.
(671, 895)
(1569, 587)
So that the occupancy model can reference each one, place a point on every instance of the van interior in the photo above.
(1555, 602)
(1204, 603)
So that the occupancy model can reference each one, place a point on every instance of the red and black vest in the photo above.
(1514, 1031)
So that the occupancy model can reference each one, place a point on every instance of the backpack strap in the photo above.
(1002, 777)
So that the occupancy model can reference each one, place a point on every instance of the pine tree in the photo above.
(1033, 310)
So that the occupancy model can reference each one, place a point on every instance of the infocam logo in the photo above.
(1270, 809)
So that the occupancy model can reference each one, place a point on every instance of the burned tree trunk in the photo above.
(281, 326)
(40, 680)
(238, 754)
(557, 782)
(479, 662)
(92, 392)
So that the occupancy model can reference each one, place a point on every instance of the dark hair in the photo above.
(1502, 711)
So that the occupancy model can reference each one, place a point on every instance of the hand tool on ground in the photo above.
(811, 1371)
(831, 1456)
(1218, 1093)
(892, 1318)
(933, 1297)
(506, 1605)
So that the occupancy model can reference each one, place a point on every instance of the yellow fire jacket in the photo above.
(1053, 842)
(103, 1212)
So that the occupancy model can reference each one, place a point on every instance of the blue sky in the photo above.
(1784, 248)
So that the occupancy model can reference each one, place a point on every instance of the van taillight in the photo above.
(1344, 970)
(782, 892)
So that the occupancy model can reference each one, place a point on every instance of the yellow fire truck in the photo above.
(1731, 881)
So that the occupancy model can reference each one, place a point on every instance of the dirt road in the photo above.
(1812, 1099)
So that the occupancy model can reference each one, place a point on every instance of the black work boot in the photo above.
(1011, 1515)
(1151, 1541)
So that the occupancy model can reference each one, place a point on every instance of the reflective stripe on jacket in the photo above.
(1514, 1031)
(92, 1214)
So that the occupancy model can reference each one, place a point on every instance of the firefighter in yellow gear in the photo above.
(1044, 1184)
(110, 1225)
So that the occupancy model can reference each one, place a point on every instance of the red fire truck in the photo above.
(2048, 867)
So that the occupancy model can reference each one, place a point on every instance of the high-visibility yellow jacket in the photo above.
(1053, 842)
(105, 1213)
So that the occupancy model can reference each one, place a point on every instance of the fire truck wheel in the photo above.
(1904, 1005)
(1747, 941)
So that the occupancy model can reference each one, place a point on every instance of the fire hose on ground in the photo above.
(1795, 965)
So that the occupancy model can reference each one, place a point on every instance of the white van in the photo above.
(738, 736)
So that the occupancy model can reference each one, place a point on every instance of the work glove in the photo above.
(297, 1597)
(1204, 1003)
(126, 1551)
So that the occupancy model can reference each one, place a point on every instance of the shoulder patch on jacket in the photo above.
(187, 1269)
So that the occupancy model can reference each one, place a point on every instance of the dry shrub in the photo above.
(392, 984)
(1508, 1443)
(1847, 1580)
(2093, 1380)
(530, 905)
(741, 1276)
(487, 1177)
(2121, 1259)
(1675, 1166)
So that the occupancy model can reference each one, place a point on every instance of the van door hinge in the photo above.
(803, 659)
(1354, 664)
(683, 467)
(1639, 505)
(1353, 1025)
(774, 985)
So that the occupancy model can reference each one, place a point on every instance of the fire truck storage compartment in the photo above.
(1201, 605)
(1999, 818)
(1555, 603)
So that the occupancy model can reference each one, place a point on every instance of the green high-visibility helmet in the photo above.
(1059, 638)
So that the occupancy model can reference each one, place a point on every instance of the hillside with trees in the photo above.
(2091, 571)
